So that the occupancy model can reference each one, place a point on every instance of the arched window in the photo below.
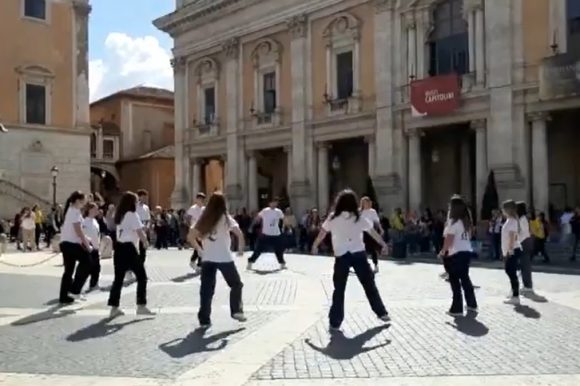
(573, 18)
(448, 43)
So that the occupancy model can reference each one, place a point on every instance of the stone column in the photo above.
(178, 197)
(99, 144)
(289, 167)
(323, 177)
(480, 163)
(82, 9)
(479, 45)
(252, 181)
(196, 176)
(372, 159)
(232, 181)
(411, 26)
(539, 175)
(468, 16)
(415, 170)
(421, 36)
(465, 168)
(299, 181)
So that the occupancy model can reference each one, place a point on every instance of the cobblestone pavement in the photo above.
(286, 341)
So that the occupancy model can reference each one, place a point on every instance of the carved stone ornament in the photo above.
(384, 5)
(231, 48)
(297, 26)
(344, 24)
(178, 63)
(409, 20)
(207, 67)
(266, 49)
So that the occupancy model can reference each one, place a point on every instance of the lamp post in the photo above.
(54, 173)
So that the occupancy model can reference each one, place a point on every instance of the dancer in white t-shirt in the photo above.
(193, 214)
(144, 214)
(130, 233)
(527, 243)
(92, 230)
(347, 227)
(210, 236)
(511, 248)
(457, 254)
(271, 237)
(371, 247)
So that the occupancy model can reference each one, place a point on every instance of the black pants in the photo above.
(342, 265)
(265, 243)
(526, 262)
(95, 267)
(162, 237)
(37, 233)
(142, 252)
(71, 253)
(371, 248)
(457, 266)
(511, 269)
(496, 244)
(574, 246)
(540, 248)
(207, 288)
(126, 258)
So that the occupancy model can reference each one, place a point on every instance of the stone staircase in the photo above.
(13, 197)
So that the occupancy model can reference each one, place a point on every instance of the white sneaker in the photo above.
(454, 314)
(527, 291)
(239, 316)
(385, 318)
(514, 300)
(249, 266)
(205, 326)
(283, 266)
(115, 312)
(473, 309)
(143, 310)
(77, 297)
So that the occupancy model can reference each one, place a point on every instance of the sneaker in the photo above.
(385, 318)
(193, 265)
(283, 266)
(249, 266)
(66, 301)
(333, 329)
(473, 309)
(527, 291)
(514, 300)
(115, 312)
(77, 297)
(376, 270)
(239, 316)
(205, 325)
(143, 310)
(454, 314)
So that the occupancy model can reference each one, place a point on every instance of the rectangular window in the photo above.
(344, 75)
(209, 108)
(573, 16)
(35, 9)
(108, 148)
(36, 104)
(269, 92)
(449, 55)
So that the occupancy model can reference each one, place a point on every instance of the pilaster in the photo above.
(81, 9)
(179, 197)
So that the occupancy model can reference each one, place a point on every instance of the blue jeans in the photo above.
(358, 261)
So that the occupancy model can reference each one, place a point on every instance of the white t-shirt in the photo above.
(91, 229)
(67, 232)
(371, 215)
(216, 246)
(127, 229)
(143, 212)
(194, 213)
(461, 239)
(346, 233)
(28, 223)
(524, 229)
(271, 221)
(511, 225)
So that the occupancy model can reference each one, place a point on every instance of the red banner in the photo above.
(437, 95)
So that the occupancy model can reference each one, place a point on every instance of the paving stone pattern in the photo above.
(25, 291)
(535, 339)
(161, 347)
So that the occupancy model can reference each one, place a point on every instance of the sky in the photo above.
(125, 48)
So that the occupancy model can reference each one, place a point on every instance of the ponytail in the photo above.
(74, 197)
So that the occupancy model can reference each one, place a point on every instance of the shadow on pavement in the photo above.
(53, 312)
(469, 325)
(535, 298)
(527, 312)
(196, 342)
(184, 278)
(101, 329)
(265, 272)
(340, 347)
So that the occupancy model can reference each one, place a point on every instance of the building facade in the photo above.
(408, 100)
(44, 101)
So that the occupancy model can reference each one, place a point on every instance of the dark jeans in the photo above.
(95, 267)
(511, 269)
(162, 241)
(142, 252)
(265, 243)
(126, 258)
(526, 262)
(540, 248)
(342, 264)
(457, 266)
(574, 246)
(371, 248)
(37, 233)
(71, 253)
(207, 288)
(496, 245)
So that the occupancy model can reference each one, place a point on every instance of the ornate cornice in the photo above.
(231, 48)
(297, 26)
(178, 63)
(384, 5)
(538, 116)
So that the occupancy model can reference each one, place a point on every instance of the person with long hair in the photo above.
(527, 243)
(92, 229)
(75, 247)
(193, 214)
(28, 229)
(457, 252)
(346, 227)
(210, 236)
(367, 212)
(130, 233)
(271, 237)
(511, 248)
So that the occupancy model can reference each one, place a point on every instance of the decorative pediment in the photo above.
(35, 70)
(343, 25)
(267, 51)
(207, 68)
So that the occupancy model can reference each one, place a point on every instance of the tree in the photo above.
(490, 199)
(370, 193)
